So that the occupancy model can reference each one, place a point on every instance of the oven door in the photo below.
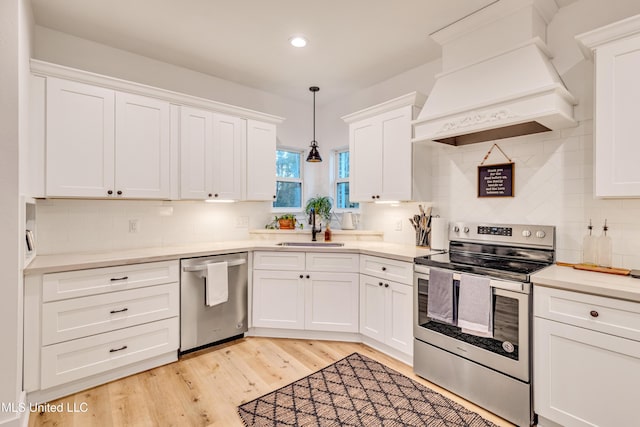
(506, 352)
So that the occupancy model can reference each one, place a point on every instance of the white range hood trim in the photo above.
(552, 108)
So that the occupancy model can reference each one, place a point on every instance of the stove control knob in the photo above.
(466, 229)
(526, 233)
(540, 234)
(456, 229)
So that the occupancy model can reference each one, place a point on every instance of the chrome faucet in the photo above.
(312, 221)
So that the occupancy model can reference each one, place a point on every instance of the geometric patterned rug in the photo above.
(357, 391)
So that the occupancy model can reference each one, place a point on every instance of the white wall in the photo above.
(15, 45)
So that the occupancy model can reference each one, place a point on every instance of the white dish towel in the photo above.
(216, 284)
(475, 306)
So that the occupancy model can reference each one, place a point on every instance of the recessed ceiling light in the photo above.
(298, 41)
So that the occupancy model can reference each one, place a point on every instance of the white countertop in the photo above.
(78, 261)
(602, 284)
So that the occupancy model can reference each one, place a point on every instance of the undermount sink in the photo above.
(313, 244)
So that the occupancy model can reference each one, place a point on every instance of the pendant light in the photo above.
(314, 154)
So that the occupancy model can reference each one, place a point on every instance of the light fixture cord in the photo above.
(314, 119)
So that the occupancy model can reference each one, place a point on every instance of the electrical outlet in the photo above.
(398, 225)
(242, 222)
(134, 225)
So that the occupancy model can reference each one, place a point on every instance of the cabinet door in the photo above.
(228, 157)
(331, 301)
(372, 307)
(396, 154)
(261, 161)
(80, 139)
(196, 153)
(617, 95)
(142, 147)
(399, 316)
(278, 299)
(365, 148)
(584, 378)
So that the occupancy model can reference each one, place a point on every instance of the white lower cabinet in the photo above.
(583, 374)
(294, 290)
(278, 299)
(386, 312)
(86, 327)
(331, 302)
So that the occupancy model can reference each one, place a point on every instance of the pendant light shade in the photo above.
(314, 154)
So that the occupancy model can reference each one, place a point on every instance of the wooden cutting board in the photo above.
(608, 270)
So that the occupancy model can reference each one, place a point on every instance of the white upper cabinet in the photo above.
(381, 150)
(261, 160)
(80, 148)
(616, 52)
(212, 155)
(103, 143)
(196, 153)
(142, 147)
(94, 136)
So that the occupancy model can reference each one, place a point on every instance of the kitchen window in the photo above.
(341, 178)
(288, 180)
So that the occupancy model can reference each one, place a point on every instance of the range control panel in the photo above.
(541, 236)
(495, 231)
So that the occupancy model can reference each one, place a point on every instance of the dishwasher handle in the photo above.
(203, 267)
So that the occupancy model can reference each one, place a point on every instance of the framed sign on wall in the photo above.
(496, 180)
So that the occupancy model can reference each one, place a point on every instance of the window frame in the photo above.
(335, 180)
(295, 180)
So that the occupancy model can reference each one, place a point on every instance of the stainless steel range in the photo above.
(485, 275)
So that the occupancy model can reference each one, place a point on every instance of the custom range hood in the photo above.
(497, 80)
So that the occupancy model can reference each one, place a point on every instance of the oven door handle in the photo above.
(422, 272)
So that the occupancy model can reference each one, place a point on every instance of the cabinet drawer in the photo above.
(81, 317)
(390, 269)
(288, 261)
(80, 283)
(608, 315)
(81, 358)
(318, 261)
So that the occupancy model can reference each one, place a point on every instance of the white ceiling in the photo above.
(352, 43)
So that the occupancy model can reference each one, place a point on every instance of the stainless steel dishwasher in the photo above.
(202, 325)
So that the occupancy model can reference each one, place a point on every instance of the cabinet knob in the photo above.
(110, 192)
(379, 283)
(274, 196)
(210, 195)
(594, 313)
(119, 192)
(384, 268)
(215, 195)
(373, 197)
(386, 285)
(377, 196)
(308, 276)
(301, 276)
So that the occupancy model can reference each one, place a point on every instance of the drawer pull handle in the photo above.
(116, 279)
(113, 350)
(384, 268)
(594, 313)
(119, 311)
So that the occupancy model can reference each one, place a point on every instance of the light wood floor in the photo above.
(205, 388)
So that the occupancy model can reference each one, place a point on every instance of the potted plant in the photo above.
(322, 206)
(282, 222)
(286, 222)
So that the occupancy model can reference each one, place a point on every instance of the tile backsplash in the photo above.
(96, 225)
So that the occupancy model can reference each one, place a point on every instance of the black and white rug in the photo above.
(357, 391)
